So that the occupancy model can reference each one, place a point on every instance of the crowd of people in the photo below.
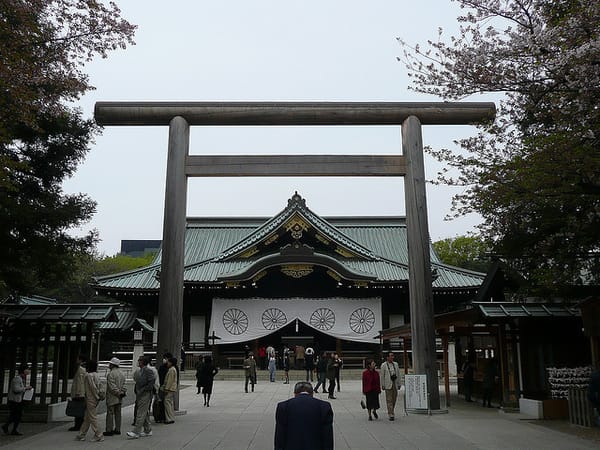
(155, 388)
(154, 391)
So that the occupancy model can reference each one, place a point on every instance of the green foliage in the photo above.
(533, 174)
(469, 252)
(121, 263)
(76, 286)
(43, 139)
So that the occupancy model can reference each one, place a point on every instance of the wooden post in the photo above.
(64, 390)
(170, 300)
(446, 368)
(56, 365)
(44, 385)
(405, 355)
(419, 261)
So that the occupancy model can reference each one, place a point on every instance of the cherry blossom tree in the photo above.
(534, 173)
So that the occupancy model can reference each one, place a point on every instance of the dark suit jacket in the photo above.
(304, 423)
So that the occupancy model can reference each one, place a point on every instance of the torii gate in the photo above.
(181, 165)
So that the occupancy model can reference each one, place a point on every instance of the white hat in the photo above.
(115, 362)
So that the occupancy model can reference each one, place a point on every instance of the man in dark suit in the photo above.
(304, 422)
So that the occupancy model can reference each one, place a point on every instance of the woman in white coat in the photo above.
(15, 400)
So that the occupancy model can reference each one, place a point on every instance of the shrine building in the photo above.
(295, 278)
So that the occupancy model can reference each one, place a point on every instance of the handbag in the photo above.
(363, 405)
(75, 408)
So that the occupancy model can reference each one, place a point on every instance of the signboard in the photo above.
(137, 335)
(415, 391)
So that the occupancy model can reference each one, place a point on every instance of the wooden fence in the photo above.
(581, 411)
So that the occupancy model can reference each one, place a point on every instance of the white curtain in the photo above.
(197, 334)
(240, 320)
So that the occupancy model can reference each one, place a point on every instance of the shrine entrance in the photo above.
(179, 116)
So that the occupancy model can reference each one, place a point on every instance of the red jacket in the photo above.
(370, 381)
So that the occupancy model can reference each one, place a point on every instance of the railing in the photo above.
(581, 411)
(356, 362)
(235, 362)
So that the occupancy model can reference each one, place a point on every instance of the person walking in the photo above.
(78, 392)
(159, 406)
(199, 366)
(207, 376)
(303, 422)
(136, 377)
(390, 379)
(144, 388)
(115, 391)
(468, 379)
(168, 390)
(286, 367)
(309, 363)
(183, 356)
(272, 368)
(250, 371)
(270, 351)
(331, 366)
(371, 387)
(321, 372)
(17, 388)
(338, 368)
(92, 397)
(262, 357)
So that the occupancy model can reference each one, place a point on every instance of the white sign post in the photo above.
(416, 395)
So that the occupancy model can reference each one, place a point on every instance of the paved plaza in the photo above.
(236, 420)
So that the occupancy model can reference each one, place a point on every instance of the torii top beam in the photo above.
(292, 113)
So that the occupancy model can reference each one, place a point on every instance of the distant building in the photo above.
(139, 247)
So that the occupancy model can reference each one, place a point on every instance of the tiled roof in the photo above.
(296, 205)
(126, 318)
(524, 310)
(36, 300)
(212, 246)
(72, 312)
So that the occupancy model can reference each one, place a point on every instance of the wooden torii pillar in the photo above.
(181, 165)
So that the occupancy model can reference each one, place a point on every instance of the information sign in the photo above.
(415, 391)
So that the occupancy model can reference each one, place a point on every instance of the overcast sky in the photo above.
(259, 51)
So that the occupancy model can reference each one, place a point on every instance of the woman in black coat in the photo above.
(207, 376)
(199, 366)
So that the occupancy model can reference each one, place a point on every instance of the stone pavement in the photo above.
(236, 420)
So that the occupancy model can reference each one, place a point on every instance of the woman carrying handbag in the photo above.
(371, 387)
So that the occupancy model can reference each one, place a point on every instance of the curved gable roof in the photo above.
(217, 249)
(296, 207)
